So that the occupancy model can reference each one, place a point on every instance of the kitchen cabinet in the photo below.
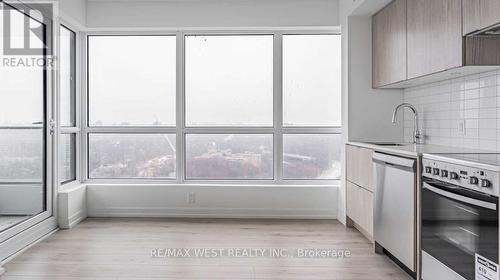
(351, 154)
(389, 44)
(359, 204)
(359, 168)
(482, 50)
(480, 14)
(359, 189)
(434, 36)
(422, 41)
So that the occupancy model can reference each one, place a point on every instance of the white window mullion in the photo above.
(229, 130)
(131, 130)
(79, 68)
(84, 174)
(278, 108)
(180, 112)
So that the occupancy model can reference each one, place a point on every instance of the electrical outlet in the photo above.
(191, 198)
(461, 127)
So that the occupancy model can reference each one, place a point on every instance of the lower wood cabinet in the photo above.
(359, 203)
(359, 166)
(359, 188)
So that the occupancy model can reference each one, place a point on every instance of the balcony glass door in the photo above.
(25, 198)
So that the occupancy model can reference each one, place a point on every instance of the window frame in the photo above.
(76, 128)
(182, 130)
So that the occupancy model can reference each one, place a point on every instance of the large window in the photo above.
(67, 157)
(132, 107)
(229, 156)
(132, 80)
(229, 81)
(67, 76)
(69, 126)
(312, 101)
(311, 80)
(233, 107)
(132, 156)
(311, 156)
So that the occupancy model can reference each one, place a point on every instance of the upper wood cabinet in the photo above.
(479, 14)
(422, 41)
(389, 44)
(434, 36)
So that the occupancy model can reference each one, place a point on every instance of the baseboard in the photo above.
(77, 217)
(159, 212)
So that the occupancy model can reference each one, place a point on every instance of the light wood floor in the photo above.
(120, 249)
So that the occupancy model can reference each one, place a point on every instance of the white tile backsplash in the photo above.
(474, 99)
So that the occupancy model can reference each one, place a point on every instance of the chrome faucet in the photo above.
(418, 138)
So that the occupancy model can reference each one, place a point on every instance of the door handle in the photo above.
(472, 201)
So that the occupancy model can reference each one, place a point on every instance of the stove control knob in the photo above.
(485, 183)
(453, 175)
(435, 171)
(428, 169)
(473, 180)
(444, 173)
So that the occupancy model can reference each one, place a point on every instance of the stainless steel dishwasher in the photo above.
(394, 221)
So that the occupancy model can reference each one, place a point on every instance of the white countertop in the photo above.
(416, 150)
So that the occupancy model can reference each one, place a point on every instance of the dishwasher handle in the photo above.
(393, 160)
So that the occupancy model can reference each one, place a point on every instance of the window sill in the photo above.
(69, 186)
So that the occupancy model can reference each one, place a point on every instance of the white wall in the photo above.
(72, 205)
(370, 110)
(473, 99)
(211, 13)
(212, 201)
(366, 112)
(74, 12)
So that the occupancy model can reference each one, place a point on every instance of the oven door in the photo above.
(458, 223)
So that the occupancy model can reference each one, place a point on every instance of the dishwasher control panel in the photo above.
(477, 179)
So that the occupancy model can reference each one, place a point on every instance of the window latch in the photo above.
(52, 127)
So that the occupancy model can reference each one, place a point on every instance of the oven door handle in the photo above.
(461, 198)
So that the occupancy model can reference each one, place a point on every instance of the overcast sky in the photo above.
(228, 81)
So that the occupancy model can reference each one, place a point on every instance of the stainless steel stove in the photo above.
(460, 216)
